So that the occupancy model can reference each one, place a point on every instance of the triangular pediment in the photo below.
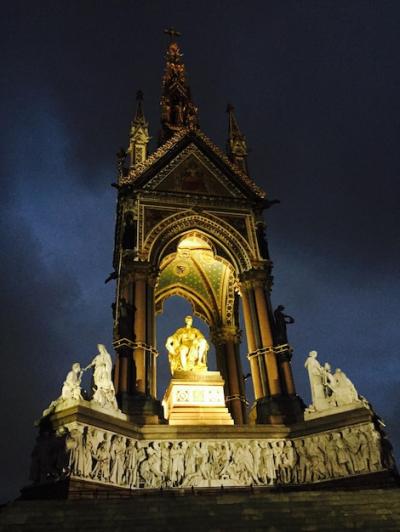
(190, 163)
(191, 172)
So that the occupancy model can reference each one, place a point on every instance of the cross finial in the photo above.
(172, 32)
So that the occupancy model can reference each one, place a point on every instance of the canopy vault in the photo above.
(196, 273)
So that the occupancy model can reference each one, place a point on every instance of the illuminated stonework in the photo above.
(196, 399)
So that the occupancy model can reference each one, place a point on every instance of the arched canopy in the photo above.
(223, 236)
(195, 272)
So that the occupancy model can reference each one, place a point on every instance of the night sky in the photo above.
(316, 86)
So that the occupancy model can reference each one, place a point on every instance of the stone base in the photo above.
(196, 399)
(83, 449)
(279, 409)
(141, 409)
(315, 414)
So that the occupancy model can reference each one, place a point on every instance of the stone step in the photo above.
(212, 510)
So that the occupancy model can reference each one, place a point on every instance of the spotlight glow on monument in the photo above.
(190, 223)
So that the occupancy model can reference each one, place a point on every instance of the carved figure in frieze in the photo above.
(245, 464)
(225, 459)
(256, 453)
(155, 475)
(203, 464)
(374, 442)
(177, 455)
(288, 462)
(74, 446)
(88, 439)
(303, 465)
(165, 461)
(330, 454)
(130, 464)
(190, 460)
(117, 453)
(101, 470)
(277, 447)
(356, 450)
(267, 469)
(343, 463)
(317, 456)
(142, 465)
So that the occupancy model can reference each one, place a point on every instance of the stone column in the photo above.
(251, 341)
(123, 337)
(226, 340)
(284, 357)
(270, 404)
(140, 330)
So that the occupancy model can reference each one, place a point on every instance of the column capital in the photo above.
(141, 270)
(225, 333)
(256, 277)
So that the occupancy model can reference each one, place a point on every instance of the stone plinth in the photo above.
(196, 398)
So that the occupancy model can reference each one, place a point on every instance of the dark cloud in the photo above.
(316, 88)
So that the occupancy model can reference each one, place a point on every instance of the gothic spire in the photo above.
(236, 144)
(139, 137)
(177, 108)
(139, 116)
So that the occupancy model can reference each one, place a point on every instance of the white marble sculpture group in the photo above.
(101, 456)
(103, 387)
(329, 391)
(88, 453)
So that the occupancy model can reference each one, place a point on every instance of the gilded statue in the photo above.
(187, 349)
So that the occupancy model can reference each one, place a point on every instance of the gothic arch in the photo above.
(214, 228)
(195, 272)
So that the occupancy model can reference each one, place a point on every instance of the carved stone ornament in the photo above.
(103, 391)
(88, 453)
(330, 393)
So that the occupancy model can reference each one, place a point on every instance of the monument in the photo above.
(195, 396)
(189, 222)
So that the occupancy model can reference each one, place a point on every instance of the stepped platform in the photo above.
(253, 509)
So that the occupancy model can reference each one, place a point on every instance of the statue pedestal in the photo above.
(196, 398)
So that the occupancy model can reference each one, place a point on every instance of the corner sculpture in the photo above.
(329, 392)
(103, 387)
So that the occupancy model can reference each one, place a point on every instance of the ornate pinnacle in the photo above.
(177, 108)
(236, 144)
(139, 115)
(139, 137)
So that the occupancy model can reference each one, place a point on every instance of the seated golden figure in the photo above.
(187, 349)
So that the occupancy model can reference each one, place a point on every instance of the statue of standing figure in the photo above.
(329, 390)
(104, 392)
(281, 322)
(187, 348)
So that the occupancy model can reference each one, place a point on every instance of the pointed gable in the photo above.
(190, 163)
